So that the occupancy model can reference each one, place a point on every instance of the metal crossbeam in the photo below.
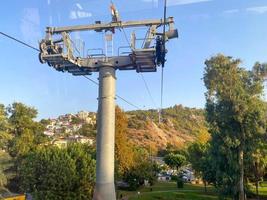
(58, 53)
(109, 26)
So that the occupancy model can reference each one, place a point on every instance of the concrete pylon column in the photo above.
(104, 188)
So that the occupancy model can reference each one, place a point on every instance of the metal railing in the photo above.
(95, 54)
(126, 52)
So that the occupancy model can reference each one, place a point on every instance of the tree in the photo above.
(203, 136)
(3, 179)
(53, 173)
(45, 122)
(76, 120)
(21, 145)
(198, 156)
(137, 175)
(26, 132)
(260, 69)
(5, 136)
(87, 130)
(142, 169)
(235, 113)
(174, 160)
(123, 149)
(257, 164)
(21, 117)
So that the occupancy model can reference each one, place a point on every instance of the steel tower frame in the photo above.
(59, 54)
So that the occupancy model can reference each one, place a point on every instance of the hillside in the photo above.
(180, 125)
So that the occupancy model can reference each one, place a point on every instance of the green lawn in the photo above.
(262, 189)
(263, 184)
(171, 195)
(169, 191)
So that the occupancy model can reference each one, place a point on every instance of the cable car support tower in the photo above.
(58, 51)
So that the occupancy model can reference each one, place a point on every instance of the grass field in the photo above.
(262, 189)
(169, 191)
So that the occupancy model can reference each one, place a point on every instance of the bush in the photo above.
(53, 173)
(138, 174)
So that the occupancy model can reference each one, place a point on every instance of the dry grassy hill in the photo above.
(180, 126)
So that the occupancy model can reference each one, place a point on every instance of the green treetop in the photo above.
(235, 113)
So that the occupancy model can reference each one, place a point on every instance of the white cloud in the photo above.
(231, 11)
(30, 25)
(73, 14)
(258, 9)
(48, 2)
(184, 2)
(79, 6)
(82, 14)
(79, 14)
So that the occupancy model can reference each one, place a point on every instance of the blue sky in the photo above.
(206, 27)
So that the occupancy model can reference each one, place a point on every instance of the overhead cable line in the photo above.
(148, 90)
(163, 64)
(161, 92)
(126, 38)
(143, 78)
(119, 97)
(93, 81)
(19, 41)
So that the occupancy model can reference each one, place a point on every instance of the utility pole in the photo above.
(60, 54)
